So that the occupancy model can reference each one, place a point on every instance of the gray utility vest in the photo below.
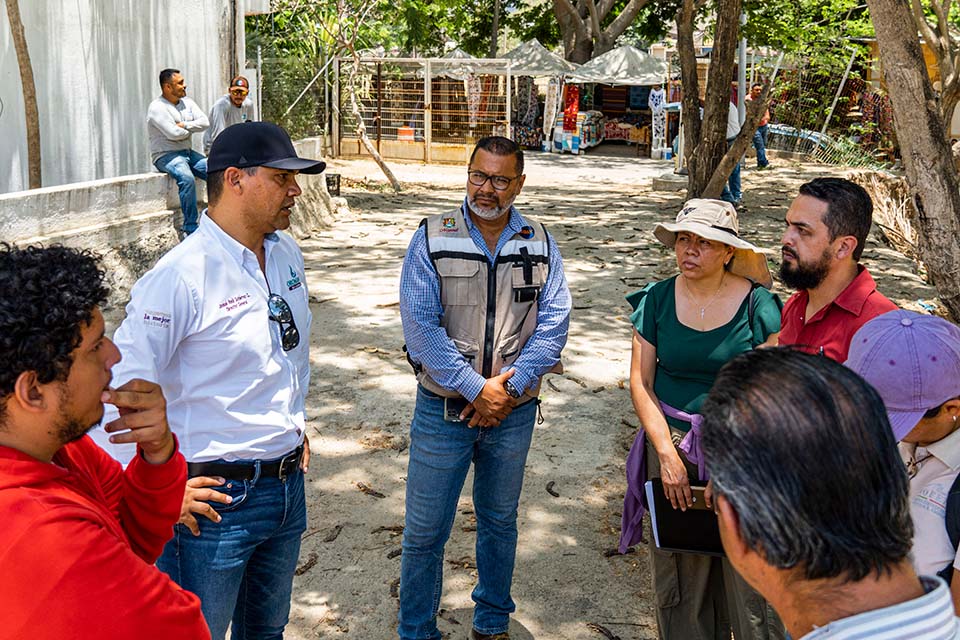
(488, 312)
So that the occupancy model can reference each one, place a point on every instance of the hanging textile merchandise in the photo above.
(551, 106)
(659, 117)
(571, 107)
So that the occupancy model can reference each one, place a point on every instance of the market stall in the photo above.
(624, 87)
(533, 118)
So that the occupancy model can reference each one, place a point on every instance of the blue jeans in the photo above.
(731, 190)
(242, 567)
(440, 455)
(182, 166)
(760, 144)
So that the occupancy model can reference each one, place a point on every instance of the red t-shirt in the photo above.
(830, 330)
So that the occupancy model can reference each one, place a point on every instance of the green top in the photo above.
(688, 360)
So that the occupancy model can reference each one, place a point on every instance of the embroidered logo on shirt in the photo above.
(449, 224)
(156, 319)
(526, 232)
(294, 281)
(235, 302)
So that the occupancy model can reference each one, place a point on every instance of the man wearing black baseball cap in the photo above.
(222, 323)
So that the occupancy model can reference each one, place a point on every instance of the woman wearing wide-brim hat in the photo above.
(686, 328)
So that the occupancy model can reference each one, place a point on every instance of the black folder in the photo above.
(695, 530)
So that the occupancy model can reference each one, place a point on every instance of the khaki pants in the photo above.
(702, 597)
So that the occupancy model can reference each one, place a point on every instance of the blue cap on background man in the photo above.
(258, 144)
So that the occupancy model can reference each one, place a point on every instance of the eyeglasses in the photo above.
(280, 313)
(238, 92)
(479, 178)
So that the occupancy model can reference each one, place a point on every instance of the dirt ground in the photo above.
(602, 212)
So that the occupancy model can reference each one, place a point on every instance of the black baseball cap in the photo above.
(258, 144)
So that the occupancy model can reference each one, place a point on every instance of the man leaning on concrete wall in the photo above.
(172, 119)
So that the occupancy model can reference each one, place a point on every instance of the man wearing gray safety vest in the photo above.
(485, 310)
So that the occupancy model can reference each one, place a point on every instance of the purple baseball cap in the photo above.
(912, 360)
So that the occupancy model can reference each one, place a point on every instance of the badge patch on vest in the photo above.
(449, 224)
(526, 232)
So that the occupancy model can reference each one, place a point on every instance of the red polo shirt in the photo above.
(830, 330)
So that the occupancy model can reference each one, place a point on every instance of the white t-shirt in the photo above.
(733, 122)
(938, 467)
(197, 324)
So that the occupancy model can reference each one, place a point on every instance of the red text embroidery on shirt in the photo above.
(231, 304)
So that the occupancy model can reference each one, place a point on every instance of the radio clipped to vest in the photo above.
(524, 287)
(489, 307)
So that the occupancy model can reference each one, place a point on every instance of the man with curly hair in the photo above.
(80, 534)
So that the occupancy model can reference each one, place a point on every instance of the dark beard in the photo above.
(805, 276)
(70, 430)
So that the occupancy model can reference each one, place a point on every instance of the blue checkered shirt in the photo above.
(428, 342)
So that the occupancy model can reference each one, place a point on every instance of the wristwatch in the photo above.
(511, 390)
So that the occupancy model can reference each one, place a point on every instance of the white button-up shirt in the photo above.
(197, 323)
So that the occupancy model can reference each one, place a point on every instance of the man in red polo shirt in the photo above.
(827, 227)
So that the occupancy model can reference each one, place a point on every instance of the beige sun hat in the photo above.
(717, 220)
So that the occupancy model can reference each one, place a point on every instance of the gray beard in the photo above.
(487, 214)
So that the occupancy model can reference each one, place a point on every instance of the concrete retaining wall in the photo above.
(133, 220)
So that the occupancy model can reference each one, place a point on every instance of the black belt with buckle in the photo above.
(280, 468)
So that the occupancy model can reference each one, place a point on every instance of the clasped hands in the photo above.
(492, 405)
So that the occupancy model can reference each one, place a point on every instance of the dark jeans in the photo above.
(182, 166)
(242, 567)
(760, 144)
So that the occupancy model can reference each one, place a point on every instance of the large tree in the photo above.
(591, 27)
(935, 23)
(709, 161)
(29, 89)
(933, 181)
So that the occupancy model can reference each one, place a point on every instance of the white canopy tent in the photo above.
(533, 59)
(624, 65)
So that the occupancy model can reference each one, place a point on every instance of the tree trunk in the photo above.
(692, 121)
(949, 98)
(934, 184)
(755, 109)
(31, 113)
(362, 128)
(583, 36)
(495, 30)
(712, 145)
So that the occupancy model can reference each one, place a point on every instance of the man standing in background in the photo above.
(760, 135)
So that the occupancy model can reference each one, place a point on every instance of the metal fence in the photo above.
(831, 114)
(291, 100)
(419, 108)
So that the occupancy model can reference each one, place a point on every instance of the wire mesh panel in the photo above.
(831, 114)
(412, 107)
(283, 81)
(390, 99)
(468, 101)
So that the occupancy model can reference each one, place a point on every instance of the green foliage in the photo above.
(534, 19)
(807, 28)
(655, 20)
